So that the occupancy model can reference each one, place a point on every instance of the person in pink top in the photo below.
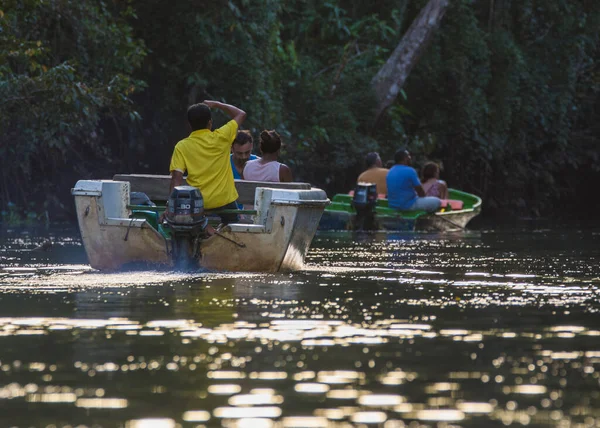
(432, 185)
(267, 168)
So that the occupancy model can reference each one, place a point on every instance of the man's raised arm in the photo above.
(176, 180)
(235, 113)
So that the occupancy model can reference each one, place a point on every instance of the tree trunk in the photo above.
(389, 80)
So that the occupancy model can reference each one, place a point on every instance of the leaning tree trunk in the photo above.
(391, 77)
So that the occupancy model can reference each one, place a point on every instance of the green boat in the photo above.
(341, 215)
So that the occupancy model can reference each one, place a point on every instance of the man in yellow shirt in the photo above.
(375, 173)
(205, 157)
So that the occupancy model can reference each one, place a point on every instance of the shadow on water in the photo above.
(481, 328)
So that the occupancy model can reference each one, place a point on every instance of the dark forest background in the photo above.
(506, 95)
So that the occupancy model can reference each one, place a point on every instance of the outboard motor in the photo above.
(364, 202)
(185, 217)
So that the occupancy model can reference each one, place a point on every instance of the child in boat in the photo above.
(432, 185)
(267, 168)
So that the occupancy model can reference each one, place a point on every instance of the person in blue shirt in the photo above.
(241, 152)
(404, 188)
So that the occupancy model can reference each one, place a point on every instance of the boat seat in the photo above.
(150, 216)
(242, 227)
(452, 204)
(156, 187)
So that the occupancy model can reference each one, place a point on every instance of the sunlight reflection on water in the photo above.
(470, 330)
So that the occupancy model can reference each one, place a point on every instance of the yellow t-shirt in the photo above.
(377, 176)
(205, 157)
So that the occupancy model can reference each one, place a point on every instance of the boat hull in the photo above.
(286, 220)
(108, 244)
(283, 249)
(342, 216)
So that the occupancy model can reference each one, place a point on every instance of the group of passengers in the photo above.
(401, 183)
(247, 166)
(213, 159)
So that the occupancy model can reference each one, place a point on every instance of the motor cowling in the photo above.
(364, 202)
(185, 207)
(186, 220)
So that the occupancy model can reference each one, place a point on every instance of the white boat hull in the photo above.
(278, 240)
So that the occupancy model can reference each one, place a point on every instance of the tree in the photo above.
(390, 78)
(64, 66)
(506, 93)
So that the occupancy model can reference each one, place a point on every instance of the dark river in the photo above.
(486, 328)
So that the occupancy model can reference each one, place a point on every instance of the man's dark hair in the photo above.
(243, 137)
(371, 159)
(400, 155)
(198, 116)
(270, 141)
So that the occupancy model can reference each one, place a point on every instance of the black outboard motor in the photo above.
(185, 217)
(364, 202)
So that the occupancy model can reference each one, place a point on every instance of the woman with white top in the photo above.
(267, 168)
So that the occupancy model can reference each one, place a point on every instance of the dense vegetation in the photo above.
(506, 95)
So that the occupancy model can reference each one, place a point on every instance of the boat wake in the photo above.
(83, 277)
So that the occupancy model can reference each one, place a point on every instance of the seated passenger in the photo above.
(374, 173)
(404, 188)
(432, 185)
(241, 152)
(267, 168)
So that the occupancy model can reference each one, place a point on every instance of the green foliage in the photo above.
(63, 67)
(328, 102)
(15, 217)
(506, 94)
(513, 81)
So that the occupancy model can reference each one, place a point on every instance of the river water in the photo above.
(485, 328)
